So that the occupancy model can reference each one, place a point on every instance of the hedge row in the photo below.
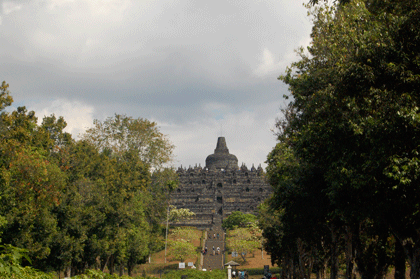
(260, 271)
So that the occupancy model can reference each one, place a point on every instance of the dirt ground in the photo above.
(255, 260)
(157, 262)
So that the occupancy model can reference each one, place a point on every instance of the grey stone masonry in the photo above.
(214, 192)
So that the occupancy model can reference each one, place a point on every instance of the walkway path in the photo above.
(214, 261)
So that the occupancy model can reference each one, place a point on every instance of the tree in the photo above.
(122, 133)
(314, 2)
(181, 245)
(132, 145)
(120, 136)
(80, 204)
(5, 101)
(5, 98)
(179, 214)
(353, 117)
(102, 216)
(243, 240)
(238, 219)
(180, 250)
(30, 184)
(297, 228)
(55, 129)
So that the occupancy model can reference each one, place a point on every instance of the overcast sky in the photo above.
(200, 69)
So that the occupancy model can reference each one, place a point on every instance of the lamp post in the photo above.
(166, 234)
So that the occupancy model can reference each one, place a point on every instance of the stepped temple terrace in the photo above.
(218, 189)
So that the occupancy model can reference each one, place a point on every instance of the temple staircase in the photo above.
(215, 239)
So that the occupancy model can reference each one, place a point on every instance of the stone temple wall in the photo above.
(214, 193)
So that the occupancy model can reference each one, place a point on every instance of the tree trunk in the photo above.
(121, 273)
(284, 269)
(301, 258)
(111, 265)
(130, 270)
(334, 254)
(130, 267)
(415, 262)
(292, 269)
(349, 253)
(104, 264)
(67, 272)
(243, 257)
(412, 251)
(399, 261)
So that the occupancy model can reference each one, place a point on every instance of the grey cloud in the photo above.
(163, 60)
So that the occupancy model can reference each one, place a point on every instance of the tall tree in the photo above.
(354, 116)
(297, 226)
(122, 133)
(122, 136)
(30, 184)
(5, 101)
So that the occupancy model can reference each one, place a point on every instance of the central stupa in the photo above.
(219, 189)
(221, 159)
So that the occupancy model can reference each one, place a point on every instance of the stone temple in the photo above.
(218, 189)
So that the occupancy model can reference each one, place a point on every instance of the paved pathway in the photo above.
(214, 261)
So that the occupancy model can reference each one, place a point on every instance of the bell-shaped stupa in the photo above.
(221, 159)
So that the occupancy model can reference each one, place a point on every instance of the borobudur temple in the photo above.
(218, 189)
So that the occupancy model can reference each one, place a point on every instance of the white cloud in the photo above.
(10, 7)
(78, 116)
(268, 64)
(195, 66)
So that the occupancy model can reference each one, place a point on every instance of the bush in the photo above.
(10, 264)
(96, 274)
(27, 273)
(196, 274)
(260, 271)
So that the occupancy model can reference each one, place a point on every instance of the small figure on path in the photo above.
(218, 250)
(213, 250)
(217, 235)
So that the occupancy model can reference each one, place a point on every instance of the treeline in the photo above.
(97, 202)
(346, 169)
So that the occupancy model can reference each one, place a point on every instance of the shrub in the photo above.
(96, 274)
(260, 271)
(196, 274)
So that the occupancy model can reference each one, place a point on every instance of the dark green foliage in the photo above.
(345, 171)
(94, 274)
(81, 204)
(315, 2)
(196, 274)
(260, 271)
(238, 219)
